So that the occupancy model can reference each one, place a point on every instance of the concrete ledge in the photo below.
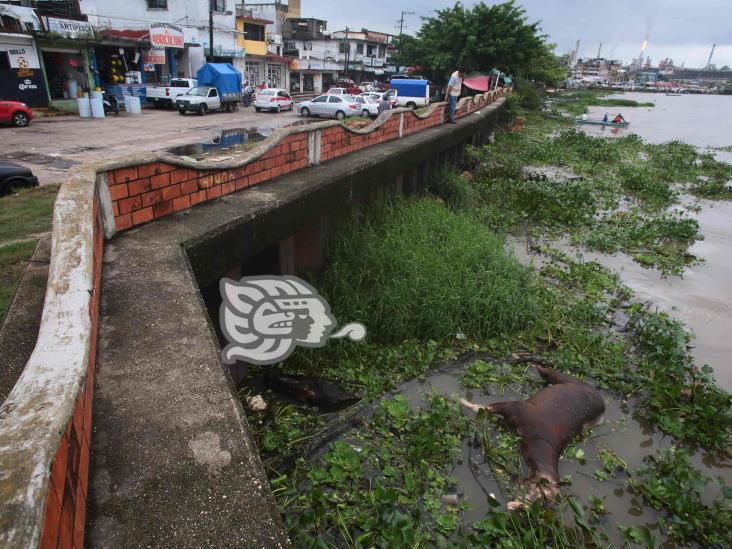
(34, 416)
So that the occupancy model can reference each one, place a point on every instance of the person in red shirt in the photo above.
(618, 119)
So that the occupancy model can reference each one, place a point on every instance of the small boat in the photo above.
(602, 123)
(675, 94)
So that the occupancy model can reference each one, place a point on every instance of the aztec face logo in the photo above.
(265, 317)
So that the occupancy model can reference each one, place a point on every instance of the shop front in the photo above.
(271, 69)
(21, 77)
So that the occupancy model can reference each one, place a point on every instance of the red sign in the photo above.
(165, 35)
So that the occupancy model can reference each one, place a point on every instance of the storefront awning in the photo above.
(135, 35)
(26, 16)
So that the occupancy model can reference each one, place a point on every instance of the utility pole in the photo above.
(346, 51)
(401, 22)
(210, 31)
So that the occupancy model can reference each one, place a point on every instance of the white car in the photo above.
(369, 106)
(337, 91)
(389, 96)
(273, 99)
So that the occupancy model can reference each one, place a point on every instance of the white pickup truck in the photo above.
(166, 95)
(203, 99)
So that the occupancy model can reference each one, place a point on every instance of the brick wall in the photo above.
(65, 513)
(150, 191)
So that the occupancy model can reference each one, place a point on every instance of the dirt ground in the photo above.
(50, 146)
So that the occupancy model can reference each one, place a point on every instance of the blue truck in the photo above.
(219, 88)
(411, 93)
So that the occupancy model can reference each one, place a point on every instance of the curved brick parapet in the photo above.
(45, 423)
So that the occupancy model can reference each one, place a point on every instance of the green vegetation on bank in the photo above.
(576, 103)
(616, 195)
(414, 283)
(432, 278)
(23, 216)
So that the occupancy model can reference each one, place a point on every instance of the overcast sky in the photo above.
(683, 30)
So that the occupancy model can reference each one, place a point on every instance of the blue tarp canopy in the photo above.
(222, 76)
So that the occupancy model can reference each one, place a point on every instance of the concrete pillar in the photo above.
(287, 256)
(309, 247)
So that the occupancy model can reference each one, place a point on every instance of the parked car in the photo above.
(389, 96)
(345, 87)
(369, 106)
(273, 99)
(167, 95)
(14, 176)
(219, 87)
(15, 113)
(336, 106)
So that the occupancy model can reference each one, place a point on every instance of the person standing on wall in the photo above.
(454, 87)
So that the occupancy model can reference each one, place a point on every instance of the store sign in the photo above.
(165, 35)
(26, 88)
(23, 57)
(69, 29)
(154, 56)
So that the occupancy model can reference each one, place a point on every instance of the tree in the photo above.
(481, 38)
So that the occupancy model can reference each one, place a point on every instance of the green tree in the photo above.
(480, 38)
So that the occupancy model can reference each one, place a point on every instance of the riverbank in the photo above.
(433, 280)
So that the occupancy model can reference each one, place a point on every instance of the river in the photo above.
(702, 298)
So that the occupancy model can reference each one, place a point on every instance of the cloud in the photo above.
(679, 29)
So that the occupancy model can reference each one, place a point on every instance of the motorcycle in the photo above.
(110, 103)
(248, 96)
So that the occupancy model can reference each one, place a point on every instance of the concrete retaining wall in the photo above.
(45, 423)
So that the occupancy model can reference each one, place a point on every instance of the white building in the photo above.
(192, 16)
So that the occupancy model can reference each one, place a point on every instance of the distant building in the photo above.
(596, 69)
(365, 54)
(261, 63)
(314, 64)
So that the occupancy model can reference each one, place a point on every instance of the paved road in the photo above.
(50, 146)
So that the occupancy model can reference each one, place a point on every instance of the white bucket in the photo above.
(96, 94)
(135, 106)
(97, 108)
(84, 107)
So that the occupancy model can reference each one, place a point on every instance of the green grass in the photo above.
(27, 212)
(23, 216)
(13, 260)
(422, 271)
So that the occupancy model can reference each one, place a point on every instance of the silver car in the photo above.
(336, 106)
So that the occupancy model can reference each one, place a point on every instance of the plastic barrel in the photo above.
(84, 107)
(127, 102)
(135, 106)
(97, 108)
(96, 94)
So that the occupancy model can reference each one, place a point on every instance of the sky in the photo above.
(683, 30)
